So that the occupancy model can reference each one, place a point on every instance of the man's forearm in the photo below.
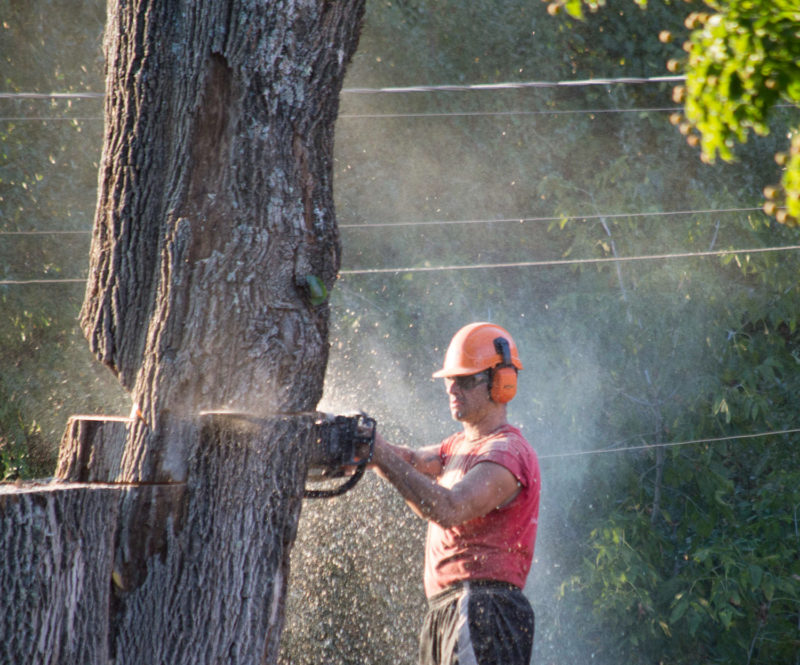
(402, 468)
(425, 460)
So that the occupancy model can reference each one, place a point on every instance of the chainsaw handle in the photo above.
(346, 486)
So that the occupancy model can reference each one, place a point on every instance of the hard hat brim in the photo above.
(455, 371)
(446, 372)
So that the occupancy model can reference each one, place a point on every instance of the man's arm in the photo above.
(425, 460)
(483, 488)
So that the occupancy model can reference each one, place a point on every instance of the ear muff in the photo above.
(504, 376)
(504, 384)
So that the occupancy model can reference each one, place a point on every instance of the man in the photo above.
(479, 491)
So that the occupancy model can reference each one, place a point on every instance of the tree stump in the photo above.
(185, 573)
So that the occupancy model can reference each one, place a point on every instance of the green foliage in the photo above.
(743, 59)
(18, 443)
(716, 580)
(696, 561)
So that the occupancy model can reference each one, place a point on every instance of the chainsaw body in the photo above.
(342, 441)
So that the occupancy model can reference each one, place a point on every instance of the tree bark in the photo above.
(91, 448)
(213, 588)
(55, 546)
(213, 232)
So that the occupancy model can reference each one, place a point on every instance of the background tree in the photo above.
(742, 62)
(48, 182)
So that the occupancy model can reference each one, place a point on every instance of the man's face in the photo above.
(469, 396)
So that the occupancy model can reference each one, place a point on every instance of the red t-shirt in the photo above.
(499, 545)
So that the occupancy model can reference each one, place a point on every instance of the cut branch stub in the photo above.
(91, 449)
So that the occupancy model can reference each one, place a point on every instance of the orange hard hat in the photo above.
(478, 347)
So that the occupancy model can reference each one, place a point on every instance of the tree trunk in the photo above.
(214, 585)
(214, 237)
(215, 211)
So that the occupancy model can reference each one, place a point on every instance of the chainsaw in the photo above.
(345, 444)
(343, 448)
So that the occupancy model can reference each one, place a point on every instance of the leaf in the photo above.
(695, 618)
(702, 555)
(769, 589)
(722, 407)
(317, 291)
(679, 610)
(574, 8)
(756, 575)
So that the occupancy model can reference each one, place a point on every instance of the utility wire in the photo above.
(509, 85)
(519, 220)
(516, 85)
(670, 444)
(49, 118)
(433, 114)
(45, 233)
(423, 114)
(452, 114)
(52, 95)
(487, 266)
(24, 282)
(567, 262)
(501, 220)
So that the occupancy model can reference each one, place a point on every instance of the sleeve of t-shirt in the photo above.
(509, 452)
(444, 449)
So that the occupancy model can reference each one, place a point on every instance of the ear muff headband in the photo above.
(504, 376)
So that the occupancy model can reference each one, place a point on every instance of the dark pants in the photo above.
(477, 623)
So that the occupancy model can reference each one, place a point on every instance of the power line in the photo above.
(518, 220)
(429, 114)
(508, 85)
(25, 282)
(567, 262)
(515, 85)
(52, 95)
(670, 444)
(49, 118)
(452, 114)
(488, 266)
(422, 114)
(45, 233)
(499, 220)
